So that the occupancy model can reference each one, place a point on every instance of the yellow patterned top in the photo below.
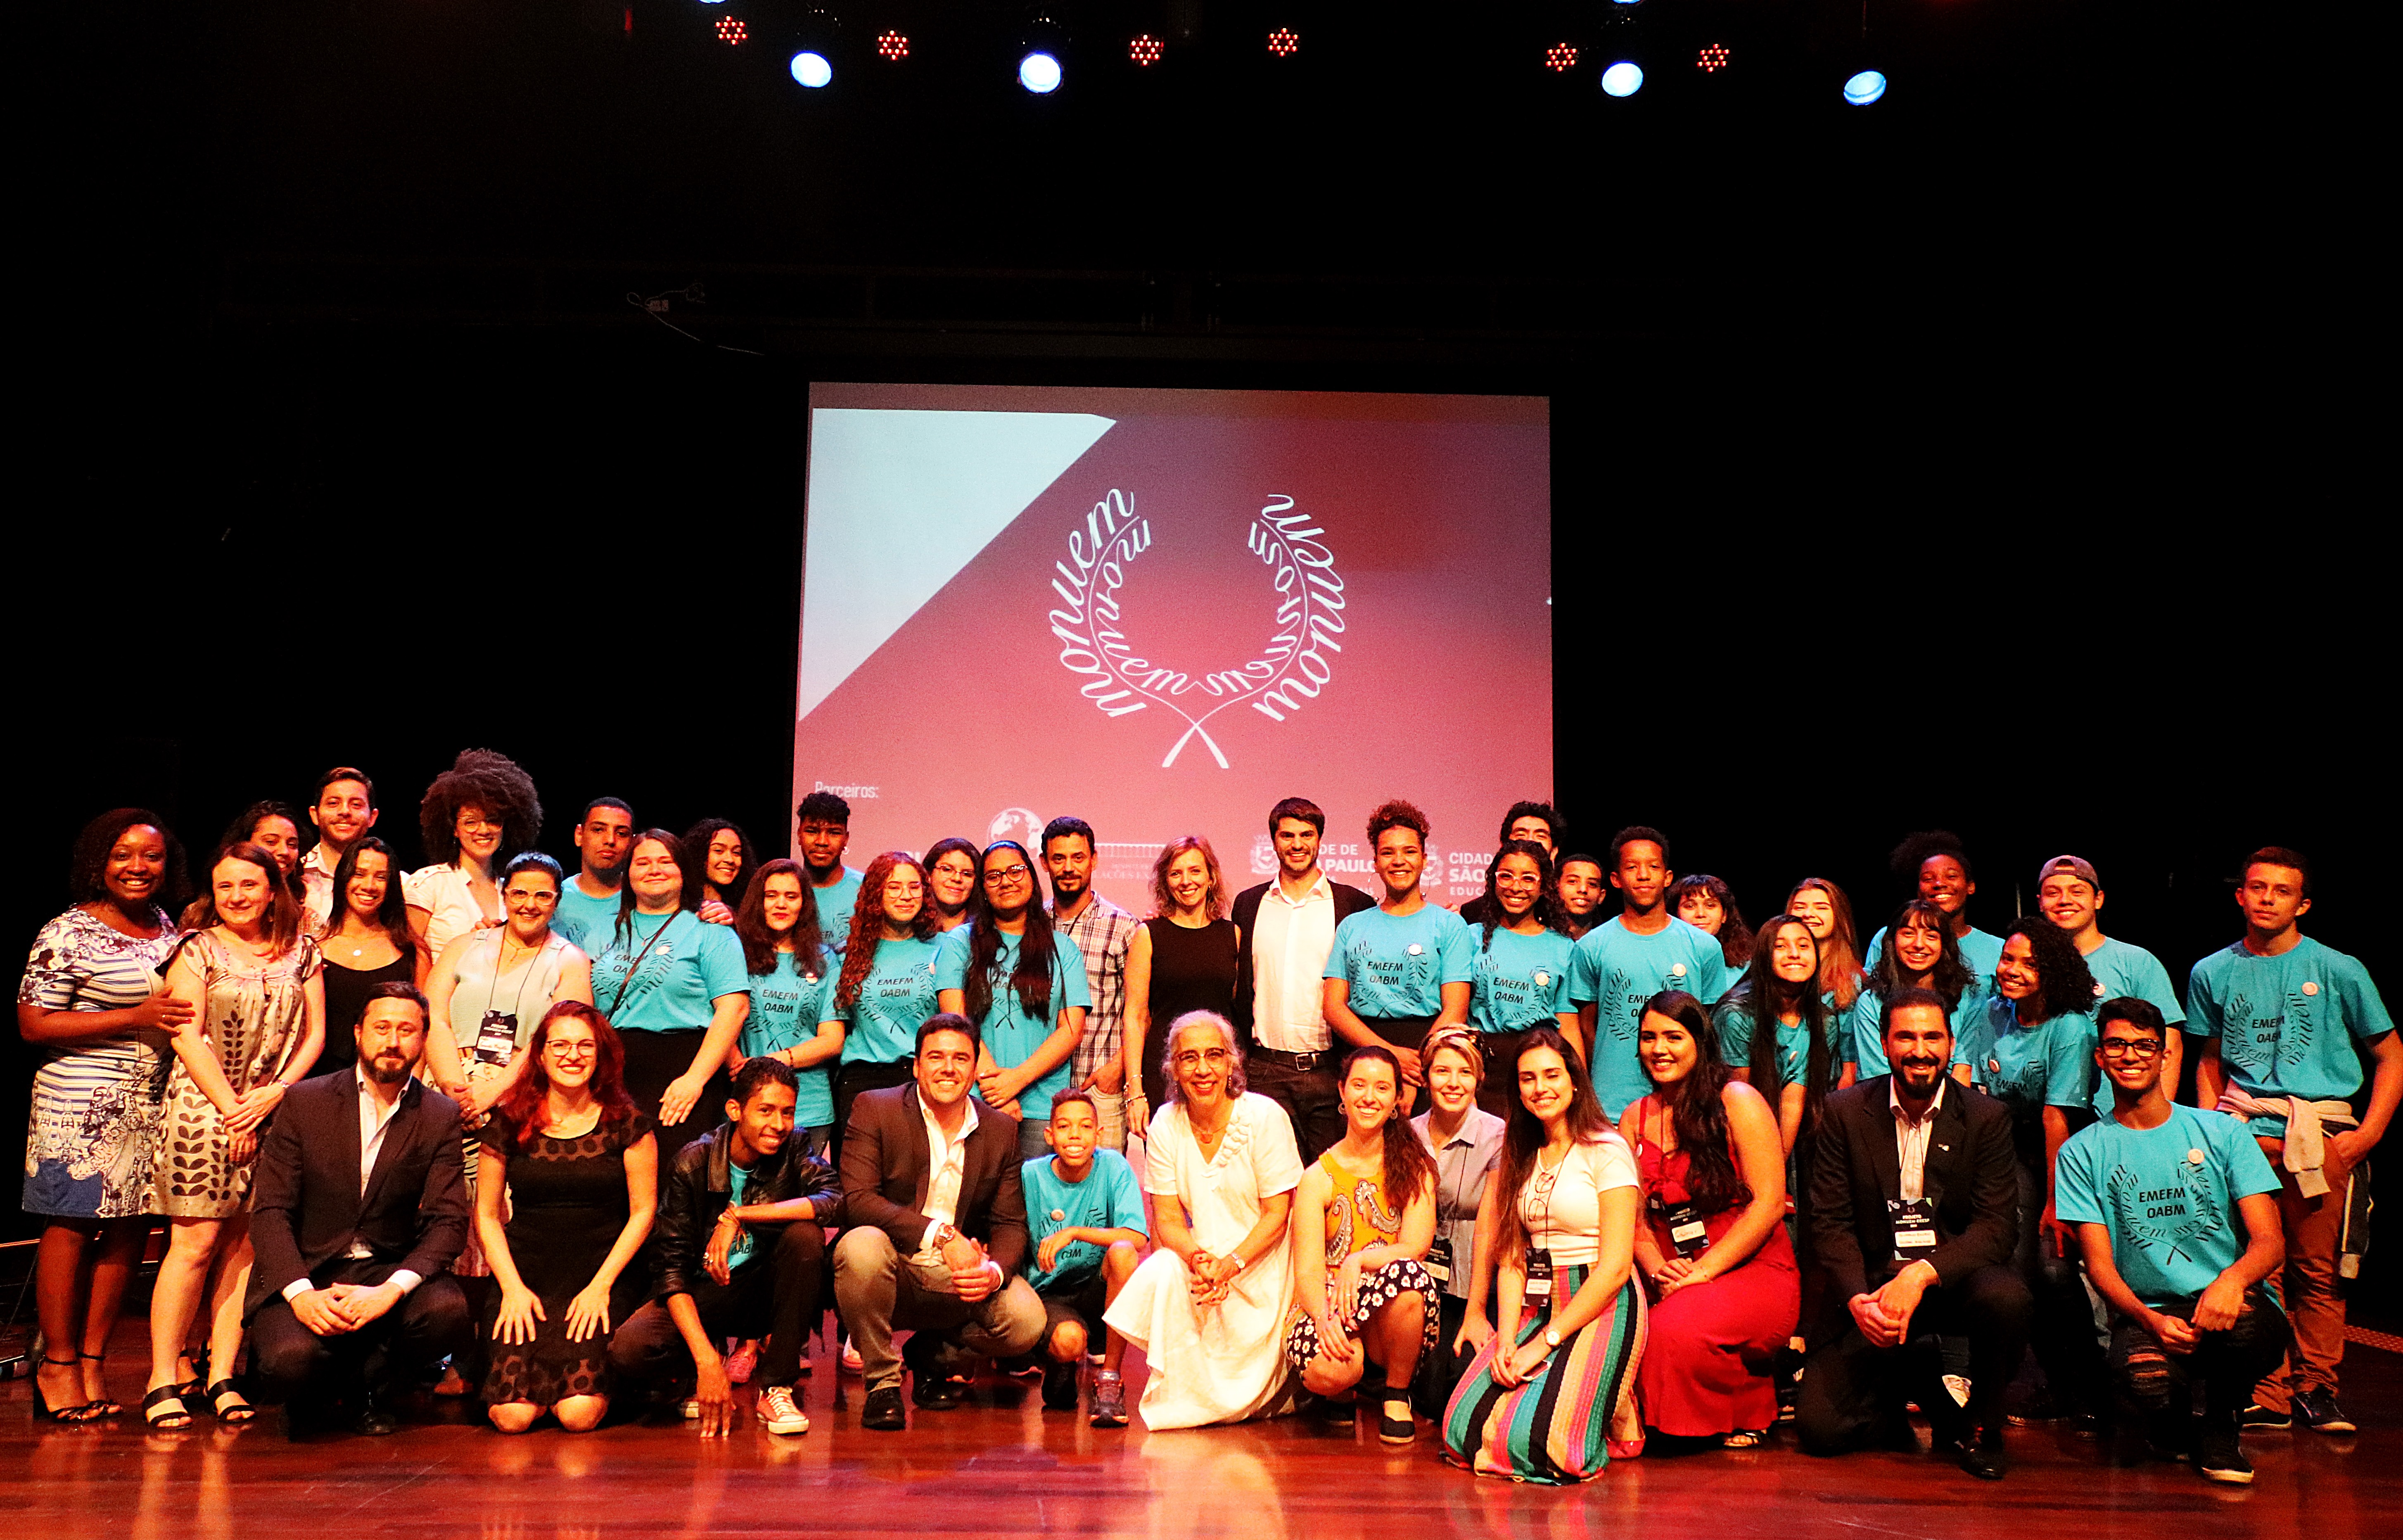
(1357, 1216)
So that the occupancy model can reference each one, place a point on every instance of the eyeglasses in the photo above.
(2131, 1048)
(1193, 1058)
(1008, 877)
(572, 1050)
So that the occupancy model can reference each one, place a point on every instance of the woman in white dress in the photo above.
(476, 813)
(1208, 1307)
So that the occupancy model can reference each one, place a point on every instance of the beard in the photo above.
(390, 1070)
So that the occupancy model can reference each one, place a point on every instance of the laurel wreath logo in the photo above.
(1290, 669)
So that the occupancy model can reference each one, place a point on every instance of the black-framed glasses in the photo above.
(1008, 877)
(2131, 1048)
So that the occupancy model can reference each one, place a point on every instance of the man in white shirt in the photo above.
(935, 1209)
(1287, 929)
(359, 1208)
(345, 811)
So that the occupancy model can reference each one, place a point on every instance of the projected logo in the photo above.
(1302, 600)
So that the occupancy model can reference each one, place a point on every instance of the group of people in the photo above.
(1554, 1179)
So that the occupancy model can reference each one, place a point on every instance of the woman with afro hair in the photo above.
(475, 815)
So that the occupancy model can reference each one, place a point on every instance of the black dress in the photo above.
(1191, 970)
(567, 1205)
(346, 998)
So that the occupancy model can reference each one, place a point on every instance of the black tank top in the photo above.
(1190, 970)
(347, 1000)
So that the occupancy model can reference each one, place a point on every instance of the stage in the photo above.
(1001, 1467)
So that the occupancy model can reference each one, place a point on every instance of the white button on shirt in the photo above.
(1289, 945)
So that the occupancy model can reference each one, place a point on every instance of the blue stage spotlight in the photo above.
(1624, 78)
(1039, 72)
(1865, 87)
(810, 68)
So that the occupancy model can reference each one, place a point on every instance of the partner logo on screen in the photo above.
(1304, 597)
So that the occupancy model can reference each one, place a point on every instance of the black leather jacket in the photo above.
(697, 1189)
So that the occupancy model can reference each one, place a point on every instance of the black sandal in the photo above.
(230, 1416)
(1390, 1428)
(43, 1411)
(107, 1406)
(166, 1421)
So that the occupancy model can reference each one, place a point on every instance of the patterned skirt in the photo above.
(1558, 1426)
(1377, 1290)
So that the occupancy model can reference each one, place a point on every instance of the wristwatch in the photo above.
(941, 1235)
(1552, 1338)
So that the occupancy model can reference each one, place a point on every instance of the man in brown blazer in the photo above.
(936, 1233)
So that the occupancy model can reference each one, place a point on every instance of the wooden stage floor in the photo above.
(1000, 1467)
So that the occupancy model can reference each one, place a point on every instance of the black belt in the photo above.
(1306, 1063)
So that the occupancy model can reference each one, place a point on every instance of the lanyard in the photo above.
(634, 960)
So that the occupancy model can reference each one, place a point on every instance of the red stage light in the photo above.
(1144, 49)
(731, 30)
(1560, 57)
(1285, 42)
(892, 44)
(1714, 59)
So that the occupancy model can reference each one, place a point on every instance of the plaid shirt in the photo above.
(1101, 930)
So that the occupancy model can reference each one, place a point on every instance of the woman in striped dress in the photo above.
(1552, 1398)
(91, 1005)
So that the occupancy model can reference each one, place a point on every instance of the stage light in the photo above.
(893, 45)
(1864, 87)
(1144, 49)
(1560, 57)
(1624, 78)
(1039, 72)
(731, 30)
(1285, 42)
(1713, 59)
(811, 69)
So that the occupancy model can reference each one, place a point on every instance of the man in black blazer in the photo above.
(1913, 1193)
(935, 1229)
(360, 1207)
(1289, 1052)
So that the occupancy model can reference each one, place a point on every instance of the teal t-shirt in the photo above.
(1980, 950)
(1619, 970)
(585, 921)
(834, 904)
(1107, 1198)
(2167, 1195)
(2122, 970)
(682, 969)
(1010, 1034)
(2029, 1069)
(2283, 1021)
(880, 1027)
(737, 1182)
(1396, 964)
(1864, 1033)
(1733, 1020)
(1518, 983)
(785, 1005)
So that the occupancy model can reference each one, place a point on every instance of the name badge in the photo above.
(1437, 1261)
(1686, 1231)
(1539, 1274)
(1914, 1224)
(496, 1038)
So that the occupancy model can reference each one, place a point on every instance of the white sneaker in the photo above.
(852, 1361)
(692, 1408)
(780, 1413)
(1958, 1385)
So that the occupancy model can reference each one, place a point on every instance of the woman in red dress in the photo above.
(1713, 1247)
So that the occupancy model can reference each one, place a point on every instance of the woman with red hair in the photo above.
(578, 1168)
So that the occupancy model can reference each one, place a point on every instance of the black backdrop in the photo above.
(1974, 473)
